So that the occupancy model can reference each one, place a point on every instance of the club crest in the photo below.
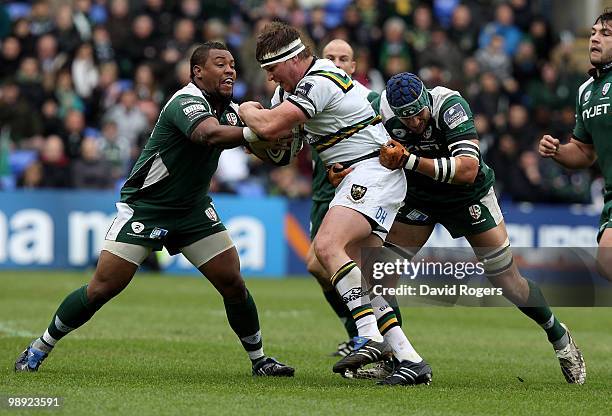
(210, 213)
(475, 211)
(232, 119)
(358, 192)
(587, 96)
(606, 88)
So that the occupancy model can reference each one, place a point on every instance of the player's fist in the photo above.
(336, 174)
(393, 155)
(549, 146)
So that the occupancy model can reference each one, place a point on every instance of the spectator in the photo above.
(103, 48)
(494, 59)
(502, 26)
(31, 177)
(84, 71)
(462, 30)
(143, 46)
(115, 149)
(10, 56)
(145, 84)
(68, 38)
(442, 53)
(129, 118)
(55, 164)
(51, 123)
(394, 46)
(29, 80)
(40, 17)
(66, 96)
(90, 170)
(73, 133)
(16, 115)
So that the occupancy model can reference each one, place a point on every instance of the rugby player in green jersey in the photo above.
(434, 140)
(591, 136)
(165, 202)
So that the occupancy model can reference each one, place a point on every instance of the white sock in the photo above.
(402, 348)
(347, 281)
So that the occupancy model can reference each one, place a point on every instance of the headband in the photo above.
(283, 54)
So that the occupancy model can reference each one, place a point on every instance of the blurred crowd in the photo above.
(82, 82)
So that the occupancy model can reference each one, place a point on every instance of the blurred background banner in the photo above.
(65, 229)
(58, 230)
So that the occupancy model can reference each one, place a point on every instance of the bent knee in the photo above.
(233, 289)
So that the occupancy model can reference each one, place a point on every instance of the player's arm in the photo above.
(210, 133)
(271, 124)
(459, 169)
(572, 155)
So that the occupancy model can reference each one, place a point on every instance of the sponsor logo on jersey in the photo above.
(587, 96)
(455, 116)
(232, 118)
(158, 233)
(605, 88)
(398, 133)
(416, 215)
(358, 192)
(475, 211)
(194, 108)
(304, 89)
(595, 110)
(137, 227)
(210, 213)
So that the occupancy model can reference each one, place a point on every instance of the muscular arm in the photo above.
(271, 124)
(460, 169)
(210, 133)
(572, 155)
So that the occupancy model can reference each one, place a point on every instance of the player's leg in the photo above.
(604, 254)
(217, 259)
(492, 247)
(117, 264)
(334, 300)
(411, 368)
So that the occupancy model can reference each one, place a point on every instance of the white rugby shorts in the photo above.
(373, 190)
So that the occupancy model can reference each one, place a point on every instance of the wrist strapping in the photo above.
(249, 136)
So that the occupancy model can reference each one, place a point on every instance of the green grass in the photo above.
(164, 347)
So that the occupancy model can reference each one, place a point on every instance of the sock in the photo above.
(347, 281)
(392, 332)
(393, 302)
(73, 312)
(243, 319)
(335, 301)
(543, 316)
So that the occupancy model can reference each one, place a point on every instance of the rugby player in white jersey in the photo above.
(343, 128)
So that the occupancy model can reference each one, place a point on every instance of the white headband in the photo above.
(283, 54)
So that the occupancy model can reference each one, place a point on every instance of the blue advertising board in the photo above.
(54, 229)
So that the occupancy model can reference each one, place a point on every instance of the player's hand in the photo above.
(549, 146)
(393, 155)
(336, 174)
(284, 143)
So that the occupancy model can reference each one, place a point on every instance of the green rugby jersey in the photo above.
(172, 171)
(451, 122)
(594, 119)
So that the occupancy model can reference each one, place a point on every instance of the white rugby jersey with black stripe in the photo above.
(341, 125)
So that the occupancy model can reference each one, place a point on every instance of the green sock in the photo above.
(244, 321)
(398, 314)
(543, 316)
(73, 312)
(343, 312)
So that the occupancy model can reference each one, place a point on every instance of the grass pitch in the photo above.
(164, 347)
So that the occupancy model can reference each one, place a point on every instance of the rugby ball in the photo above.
(277, 157)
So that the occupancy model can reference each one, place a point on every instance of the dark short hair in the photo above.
(274, 36)
(200, 54)
(605, 17)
